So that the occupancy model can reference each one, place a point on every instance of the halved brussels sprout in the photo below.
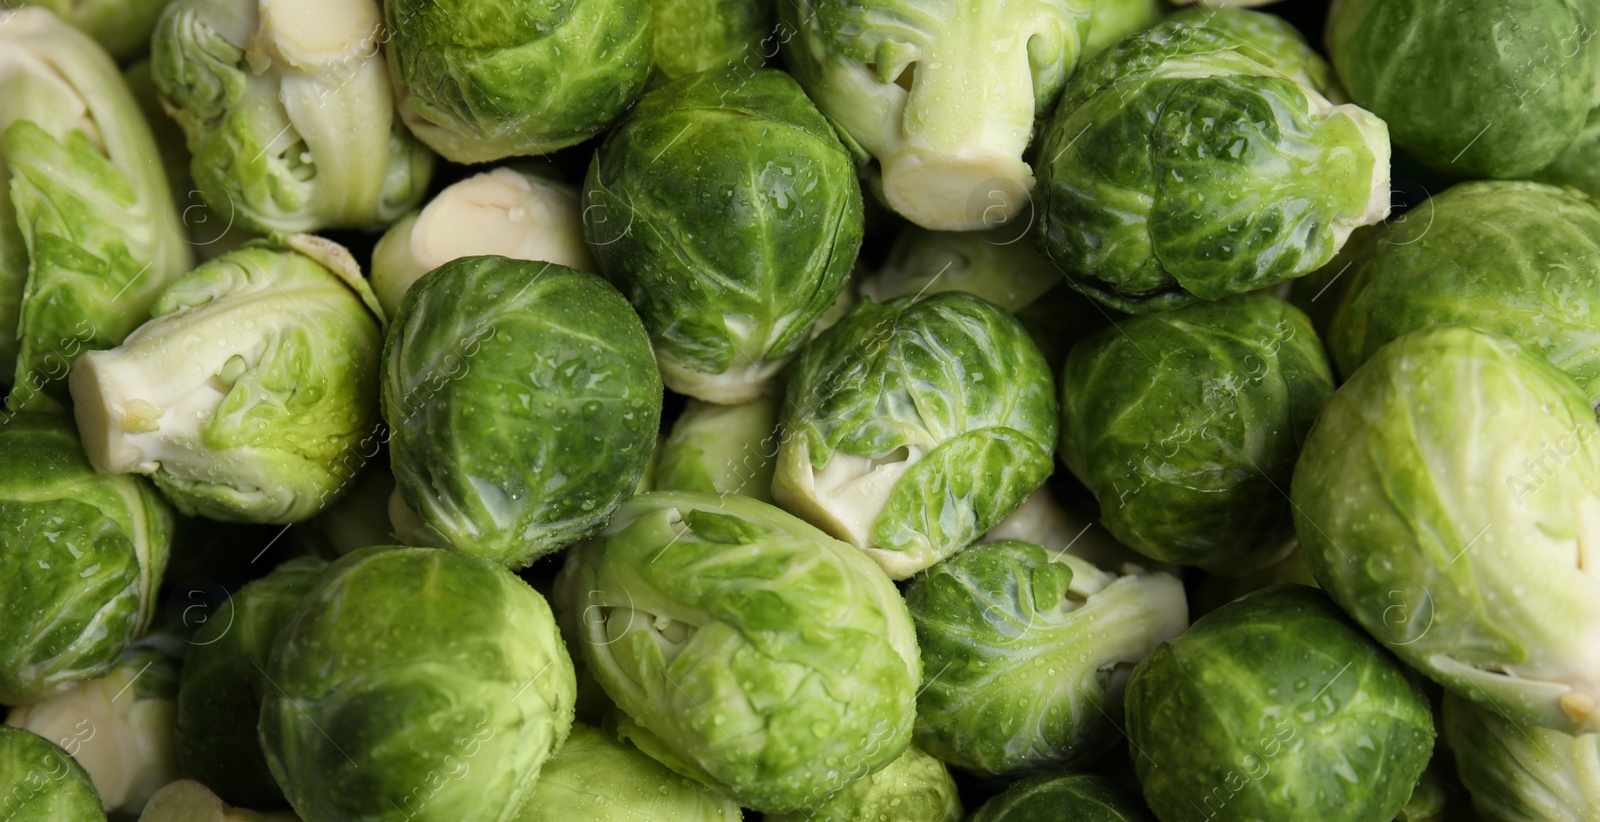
(1184, 163)
(1275, 707)
(88, 232)
(1448, 498)
(594, 779)
(40, 782)
(247, 394)
(119, 727)
(506, 211)
(1522, 773)
(84, 554)
(912, 427)
(1025, 653)
(943, 98)
(1047, 798)
(1519, 259)
(188, 801)
(481, 80)
(701, 35)
(1476, 88)
(415, 683)
(224, 682)
(1185, 425)
(524, 402)
(727, 211)
(746, 648)
(914, 788)
(996, 265)
(289, 112)
(721, 449)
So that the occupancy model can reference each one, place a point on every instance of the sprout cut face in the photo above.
(745, 648)
(1448, 498)
(911, 428)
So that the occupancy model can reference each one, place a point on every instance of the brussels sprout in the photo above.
(289, 112)
(1284, 48)
(84, 554)
(482, 80)
(1184, 164)
(1079, 797)
(247, 393)
(88, 232)
(1519, 259)
(721, 449)
(523, 401)
(943, 98)
(1071, 528)
(1186, 426)
(1274, 707)
(700, 35)
(1522, 773)
(190, 801)
(1444, 499)
(746, 648)
(912, 427)
(415, 683)
(224, 683)
(39, 782)
(118, 727)
(914, 788)
(1025, 653)
(1478, 88)
(1113, 20)
(994, 265)
(725, 207)
(597, 780)
(505, 211)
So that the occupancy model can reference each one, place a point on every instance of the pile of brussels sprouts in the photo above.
(844, 410)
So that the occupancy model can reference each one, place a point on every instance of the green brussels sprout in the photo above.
(1521, 773)
(121, 27)
(1186, 425)
(119, 727)
(1275, 707)
(1048, 798)
(415, 683)
(746, 648)
(943, 98)
(597, 780)
(721, 449)
(1444, 499)
(505, 211)
(1579, 165)
(730, 284)
(247, 393)
(994, 265)
(700, 35)
(188, 801)
(914, 788)
(1278, 40)
(481, 80)
(1113, 20)
(1025, 653)
(912, 427)
(1519, 259)
(84, 555)
(1185, 164)
(1478, 88)
(523, 401)
(40, 782)
(88, 232)
(289, 113)
(223, 684)
(1071, 527)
